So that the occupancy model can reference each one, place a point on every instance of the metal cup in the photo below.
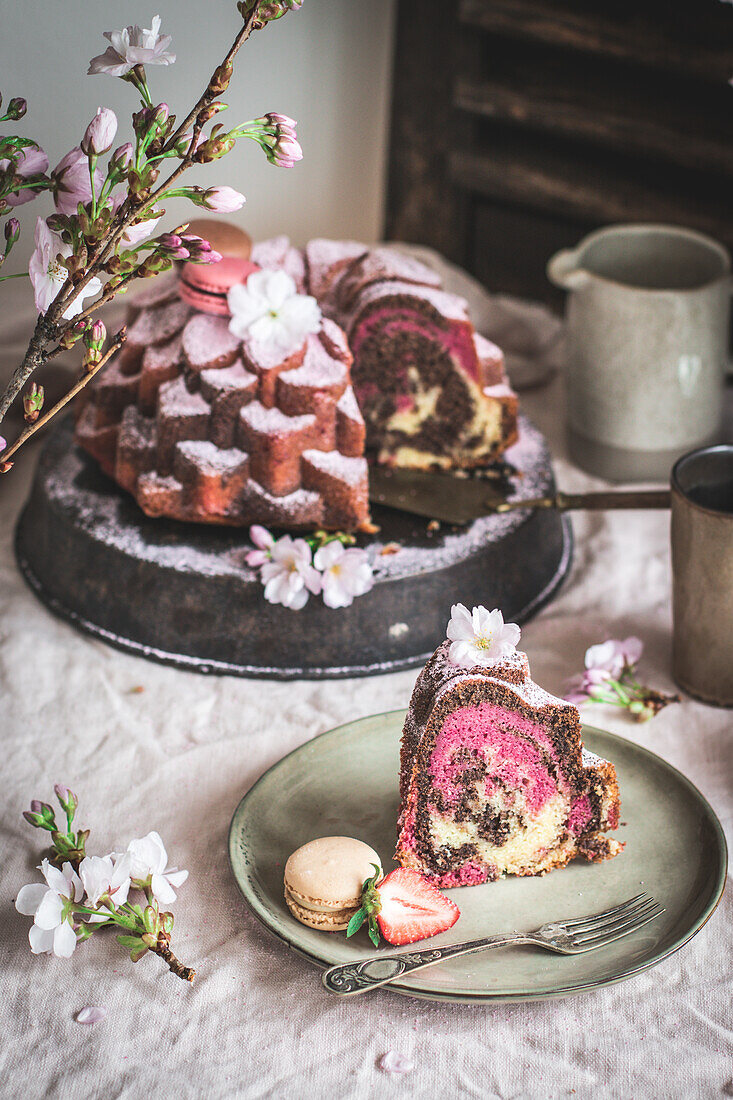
(702, 574)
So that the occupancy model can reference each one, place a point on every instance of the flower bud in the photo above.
(95, 335)
(173, 246)
(16, 108)
(220, 80)
(122, 157)
(67, 798)
(12, 230)
(33, 403)
(208, 113)
(33, 819)
(100, 133)
(223, 200)
(44, 815)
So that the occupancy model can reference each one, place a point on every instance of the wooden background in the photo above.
(519, 125)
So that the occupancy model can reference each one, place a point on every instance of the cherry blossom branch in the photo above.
(93, 234)
(78, 386)
(84, 894)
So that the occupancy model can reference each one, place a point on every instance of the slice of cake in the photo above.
(494, 778)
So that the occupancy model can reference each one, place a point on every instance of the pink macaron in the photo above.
(205, 286)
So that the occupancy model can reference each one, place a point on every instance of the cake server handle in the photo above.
(590, 502)
(359, 977)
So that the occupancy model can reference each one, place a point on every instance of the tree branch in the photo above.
(47, 326)
(79, 385)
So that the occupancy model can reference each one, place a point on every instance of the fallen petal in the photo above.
(394, 1062)
(92, 1014)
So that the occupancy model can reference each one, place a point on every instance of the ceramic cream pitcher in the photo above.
(647, 337)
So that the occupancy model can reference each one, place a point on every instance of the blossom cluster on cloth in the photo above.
(293, 569)
(82, 894)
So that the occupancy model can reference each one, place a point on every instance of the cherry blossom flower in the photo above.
(610, 677)
(345, 573)
(47, 274)
(105, 877)
(264, 542)
(148, 859)
(31, 162)
(71, 181)
(135, 234)
(268, 312)
(480, 637)
(223, 200)
(100, 133)
(289, 576)
(132, 46)
(51, 907)
(606, 661)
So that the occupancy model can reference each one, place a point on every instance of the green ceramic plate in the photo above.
(345, 783)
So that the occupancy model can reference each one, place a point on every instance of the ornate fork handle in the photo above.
(359, 977)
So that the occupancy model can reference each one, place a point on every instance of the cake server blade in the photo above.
(458, 500)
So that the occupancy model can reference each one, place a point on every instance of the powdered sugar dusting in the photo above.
(226, 380)
(351, 470)
(174, 399)
(348, 407)
(208, 458)
(156, 326)
(206, 339)
(260, 419)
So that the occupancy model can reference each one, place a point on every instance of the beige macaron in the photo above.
(323, 881)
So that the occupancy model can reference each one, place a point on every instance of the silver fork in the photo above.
(570, 937)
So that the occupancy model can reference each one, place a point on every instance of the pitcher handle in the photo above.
(563, 270)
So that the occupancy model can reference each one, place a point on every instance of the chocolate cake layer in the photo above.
(494, 779)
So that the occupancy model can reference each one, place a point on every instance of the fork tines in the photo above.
(612, 924)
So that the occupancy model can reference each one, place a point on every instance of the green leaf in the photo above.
(129, 941)
(356, 922)
(374, 931)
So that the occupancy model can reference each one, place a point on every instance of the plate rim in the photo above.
(489, 998)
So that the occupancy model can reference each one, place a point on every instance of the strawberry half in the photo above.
(412, 908)
(404, 907)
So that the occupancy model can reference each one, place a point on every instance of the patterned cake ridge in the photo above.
(354, 471)
(271, 252)
(348, 406)
(207, 342)
(446, 306)
(326, 260)
(215, 381)
(157, 326)
(380, 265)
(208, 457)
(159, 291)
(527, 690)
(273, 421)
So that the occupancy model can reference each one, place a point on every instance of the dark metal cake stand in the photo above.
(182, 594)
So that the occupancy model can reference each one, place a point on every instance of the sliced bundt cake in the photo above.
(494, 778)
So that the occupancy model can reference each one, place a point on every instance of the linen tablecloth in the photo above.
(177, 757)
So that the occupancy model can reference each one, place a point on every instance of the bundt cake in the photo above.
(494, 778)
(200, 424)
